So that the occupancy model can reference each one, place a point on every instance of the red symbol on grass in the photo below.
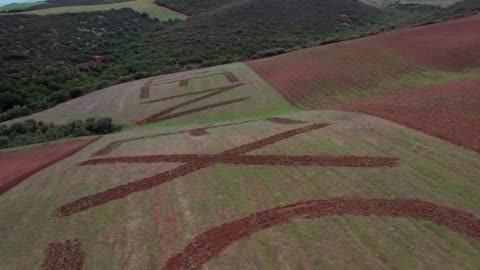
(169, 112)
(192, 163)
(209, 244)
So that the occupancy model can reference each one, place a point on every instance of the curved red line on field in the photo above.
(209, 244)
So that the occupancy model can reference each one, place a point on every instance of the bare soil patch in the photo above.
(18, 165)
(286, 121)
(450, 111)
(64, 256)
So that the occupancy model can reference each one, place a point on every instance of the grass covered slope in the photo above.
(18, 6)
(150, 223)
(141, 6)
(229, 92)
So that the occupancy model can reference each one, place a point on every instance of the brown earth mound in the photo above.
(18, 165)
(211, 243)
(450, 111)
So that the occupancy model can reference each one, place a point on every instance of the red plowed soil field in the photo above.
(19, 165)
(450, 111)
(342, 72)
(68, 255)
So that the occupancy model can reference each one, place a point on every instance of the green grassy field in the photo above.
(146, 228)
(141, 6)
(19, 6)
(122, 102)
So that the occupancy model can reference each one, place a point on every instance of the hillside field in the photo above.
(140, 6)
(164, 206)
(354, 155)
(233, 92)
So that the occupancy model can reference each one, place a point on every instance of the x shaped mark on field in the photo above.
(207, 93)
(194, 162)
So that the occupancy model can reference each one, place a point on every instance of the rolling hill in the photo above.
(328, 157)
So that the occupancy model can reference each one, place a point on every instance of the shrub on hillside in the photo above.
(31, 131)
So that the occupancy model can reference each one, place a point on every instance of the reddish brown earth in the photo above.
(199, 132)
(231, 77)
(216, 89)
(18, 165)
(428, 45)
(286, 121)
(192, 163)
(274, 160)
(209, 244)
(162, 117)
(167, 113)
(145, 90)
(326, 75)
(64, 256)
(167, 81)
(450, 111)
(183, 83)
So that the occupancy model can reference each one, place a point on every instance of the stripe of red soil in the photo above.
(273, 160)
(158, 118)
(199, 132)
(145, 90)
(164, 219)
(63, 256)
(287, 121)
(144, 184)
(450, 111)
(228, 87)
(209, 244)
(163, 114)
(231, 77)
(18, 165)
(183, 83)
(189, 78)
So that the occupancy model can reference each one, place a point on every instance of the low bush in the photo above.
(31, 131)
